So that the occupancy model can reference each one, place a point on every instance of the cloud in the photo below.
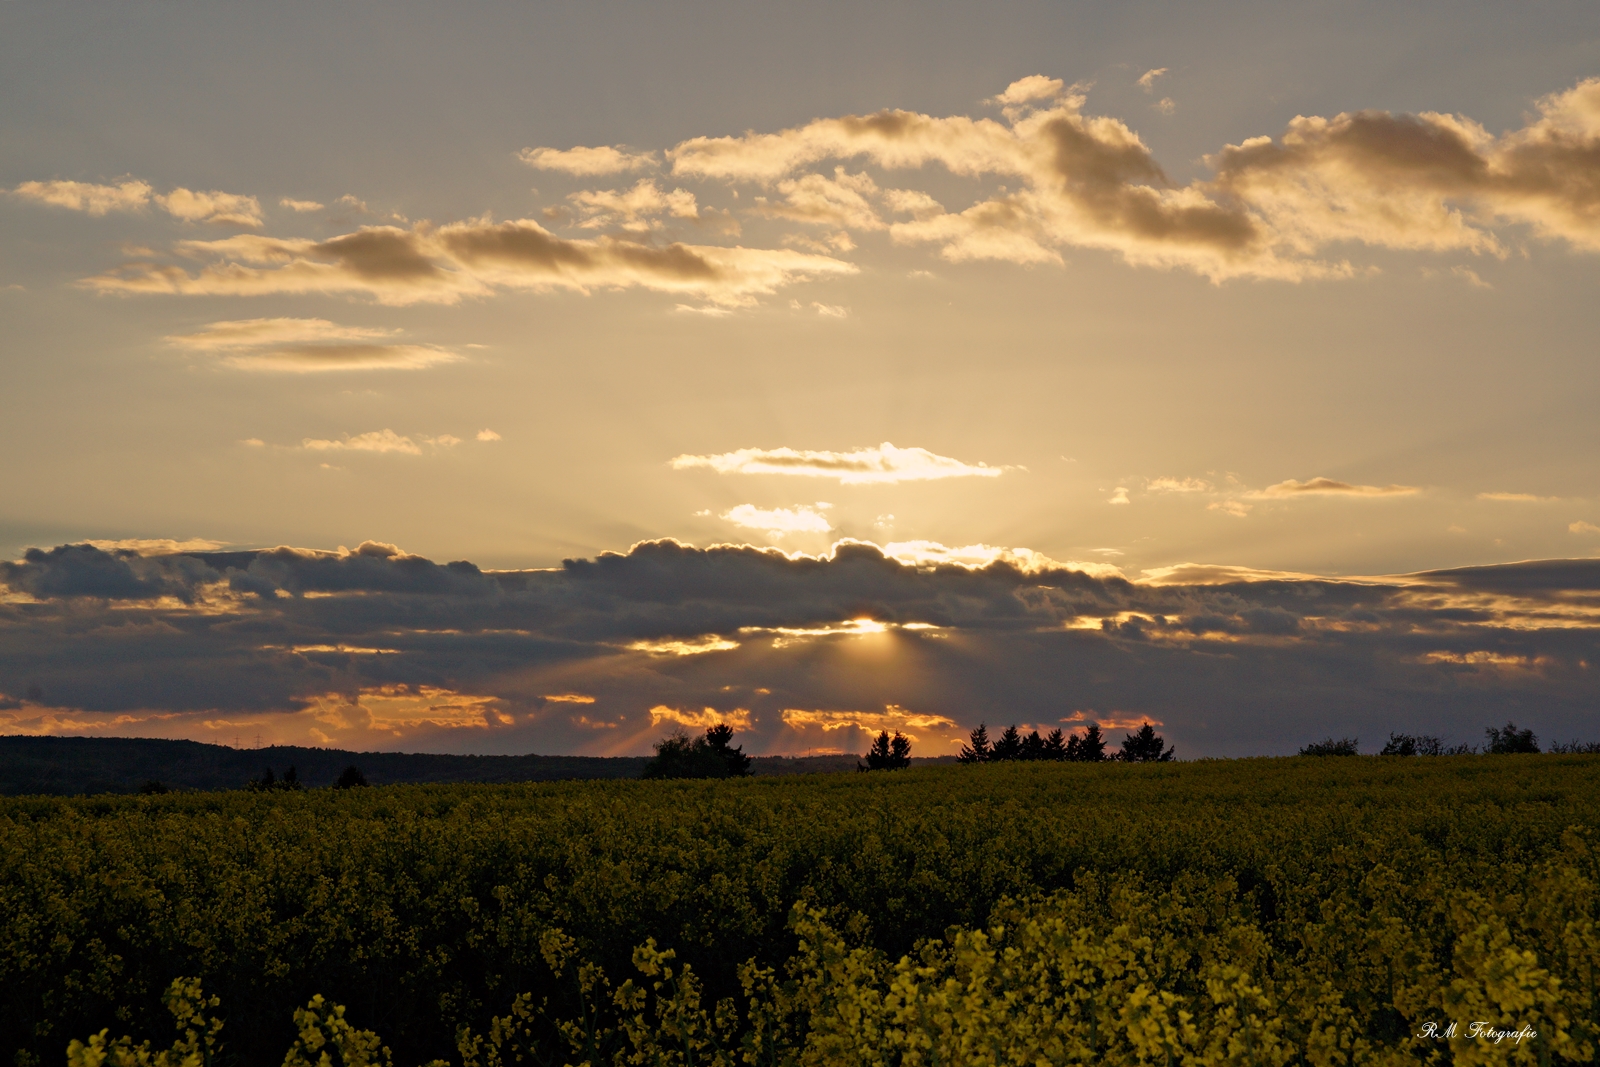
(1120, 496)
(1581, 527)
(301, 206)
(444, 264)
(884, 464)
(1271, 208)
(840, 201)
(1178, 485)
(1147, 80)
(1027, 90)
(1237, 508)
(306, 346)
(488, 435)
(147, 546)
(1329, 487)
(132, 195)
(738, 718)
(1044, 178)
(129, 195)
(895, 719)
(1527, 498)
(230, 208)
(587, 162)
(170, 642)
(779, 521)
(635, 209)
(375, 441)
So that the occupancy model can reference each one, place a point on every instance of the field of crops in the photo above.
(1260, 912)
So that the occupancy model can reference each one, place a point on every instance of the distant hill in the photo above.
(72, 765)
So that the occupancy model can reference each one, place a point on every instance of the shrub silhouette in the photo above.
(1509, 740)
(1413, 745)
(888, 754)
(711, 756)
(350, 778)
(1344, 746)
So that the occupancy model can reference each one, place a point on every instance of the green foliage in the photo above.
(1344, 746)
(1005, 910)
(710, 756)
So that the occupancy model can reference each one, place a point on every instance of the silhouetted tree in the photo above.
(269, 782)
(1413, 745)
(1090, 748)
(719, 742)
(1032, 747)
(1055, 747)
(1344, 746)
(710, 756)
(1144, 746)
(153, 788)
(350, 778)
(977, 749)
(1511, 740)
(1009, 747)
(1575, 747)
(888, 754)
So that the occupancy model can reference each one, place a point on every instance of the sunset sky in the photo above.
(1197, 363)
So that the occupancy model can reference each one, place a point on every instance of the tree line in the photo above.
(1142, 746)
(1499, 741)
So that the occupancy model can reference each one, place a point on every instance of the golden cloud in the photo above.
(213, 206)
(586, 162)
(884, 464)
(308, 346)
(1428, 181)
(1115, 720)
(738, 718)
(87, 197)
(1329, 487)
(376, 441)
(444, 264)
(892, 718)
(635, 209)
(779, 521)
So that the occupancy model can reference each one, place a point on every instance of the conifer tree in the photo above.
(888, 754)
(1055, 748)
(1094, 744)
(1032, 747)
(718, 741)
(1088, 748)
(977, 749)
(1144, 746)
(1009, 747)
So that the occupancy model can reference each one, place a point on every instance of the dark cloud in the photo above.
(377, 646)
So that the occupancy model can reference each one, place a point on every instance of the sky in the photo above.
(545, 377)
